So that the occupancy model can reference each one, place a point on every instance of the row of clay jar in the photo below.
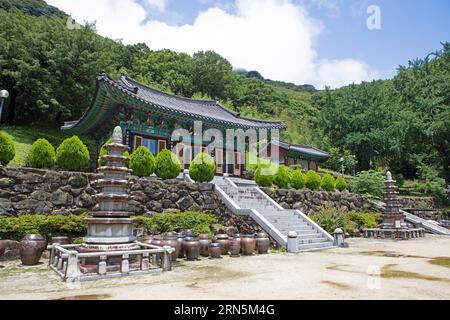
(32, 246)
(186, 246)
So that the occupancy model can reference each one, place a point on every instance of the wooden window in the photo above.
(137, 142)
(219, 161)
(162, 144)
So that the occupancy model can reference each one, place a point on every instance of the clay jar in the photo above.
(60, 240)
(191, 248)
(262, 243)
(2, 247)
(238, 237)
(181, 238)
(205, 244)
(148, 239)
(248, 244)
(171, 241)
(224, 242)
(31, 249)
(235, 247)
(216, 250)
(157, 241)
(189, 233)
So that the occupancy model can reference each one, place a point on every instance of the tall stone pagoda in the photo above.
(111, 227)
(392, 217)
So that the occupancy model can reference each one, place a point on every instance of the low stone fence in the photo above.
(310, 202)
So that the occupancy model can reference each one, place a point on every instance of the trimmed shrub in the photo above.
(142, 162)
(41, 155)
(167, 165)
(7, 149)
(72, 154)
(341, 184)
(202, 168)
(368, 182)
(298, 179)
(15, 228)
(282, 177)
(160, 223)
(328, 183)
(312, 180)
(264, 175)
(330, 219)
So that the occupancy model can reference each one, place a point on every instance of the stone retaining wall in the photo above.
(28, 190)
(310, 202)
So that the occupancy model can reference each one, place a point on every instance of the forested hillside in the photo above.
(402, 124)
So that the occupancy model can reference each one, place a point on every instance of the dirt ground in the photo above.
(369, 269)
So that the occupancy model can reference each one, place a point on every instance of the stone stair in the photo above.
(275, 220)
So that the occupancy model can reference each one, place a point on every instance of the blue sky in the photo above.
(322, 42)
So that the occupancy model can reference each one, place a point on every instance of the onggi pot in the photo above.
(192, 248)
(205, 244)
(31, 249)
(171, 241)
(60, 240)
(262, 243)
(158, 241)
(224, 242)
(216, 250)
(181, 238)
(235, 247)
(248, 244)
(2, 247)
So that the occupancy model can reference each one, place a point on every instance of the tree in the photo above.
(202, 168)
(212, 74)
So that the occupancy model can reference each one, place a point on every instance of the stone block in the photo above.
(62, 198)
(7, 182)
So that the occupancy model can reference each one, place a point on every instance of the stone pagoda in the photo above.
(111, 227)
(392, 217)
(394, 225)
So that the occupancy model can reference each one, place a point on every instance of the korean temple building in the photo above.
(148, 118)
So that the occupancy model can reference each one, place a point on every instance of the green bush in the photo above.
(167, 165)
(330, 219)
(264, 175)
(202, 168)
(313, 180)
(298, 179)
(142, 162)
(282, 177)
(341, 184)
(41, 155)
(328, 183)
(7, 149)
(352, 222)
(15, 228)
(160, 223)
(368, 182)
(72, 154)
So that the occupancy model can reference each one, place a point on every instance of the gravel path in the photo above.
(369, 269)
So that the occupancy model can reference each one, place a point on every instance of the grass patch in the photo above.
(338, 285)
(388, 272)
(440, 261)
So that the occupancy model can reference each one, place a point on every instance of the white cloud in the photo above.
(160, 4)
(275, 37)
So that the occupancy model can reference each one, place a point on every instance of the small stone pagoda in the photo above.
(394, 224)
(392, 217)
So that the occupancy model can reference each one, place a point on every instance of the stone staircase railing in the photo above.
(274, 219)
(419, 222)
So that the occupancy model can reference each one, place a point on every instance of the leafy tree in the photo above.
(167, 165)
(341, 184)
(72, 154)
(313, 180)
(7, 149)
(142, 162)
(298, 179)
(368, 182)
(41, 155)
(202, 168)
(328, 183)
(282, 177)
(212, 74)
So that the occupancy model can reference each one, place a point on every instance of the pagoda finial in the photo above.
(117, 135)
(388, 176)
